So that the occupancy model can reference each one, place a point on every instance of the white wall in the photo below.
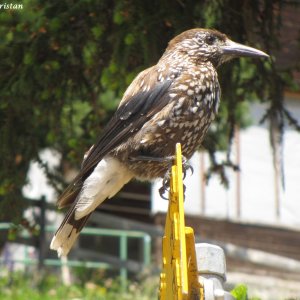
(257, 184)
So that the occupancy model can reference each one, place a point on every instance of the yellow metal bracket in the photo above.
(179, 277)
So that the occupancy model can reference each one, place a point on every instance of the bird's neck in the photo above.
(176, 57)
(183, 60)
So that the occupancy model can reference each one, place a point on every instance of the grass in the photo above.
(33, 286)
(19, 286)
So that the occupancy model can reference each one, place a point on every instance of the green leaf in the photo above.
(28, 58)
(55, 24)
(97, 31)
(113, 68)
(129, 39)
(108, 100)
(240, 292)
(118, 17)
(9, 36)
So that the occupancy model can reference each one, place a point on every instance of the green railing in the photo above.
(123, 236)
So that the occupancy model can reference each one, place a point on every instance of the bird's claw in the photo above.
(162, 192)
(165, 186)
(184, 189)
(166, 180)
(186, 166)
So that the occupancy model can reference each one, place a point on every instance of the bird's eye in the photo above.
(210, 39)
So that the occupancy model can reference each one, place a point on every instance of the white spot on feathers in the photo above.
(194, 109)
(161, 123)
(183, 87)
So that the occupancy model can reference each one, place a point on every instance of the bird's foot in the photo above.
(165, 188)
(186, 166)
(167, 159)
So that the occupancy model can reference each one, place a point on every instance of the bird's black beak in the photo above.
(234, 49)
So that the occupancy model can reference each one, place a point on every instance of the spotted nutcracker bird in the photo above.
(172, 102)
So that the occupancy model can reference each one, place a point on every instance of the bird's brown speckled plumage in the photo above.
(172, 102)
(193, 99)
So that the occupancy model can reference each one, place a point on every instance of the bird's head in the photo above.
(210, 45)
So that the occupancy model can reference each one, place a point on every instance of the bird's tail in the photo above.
(104, 182)
(67, 233)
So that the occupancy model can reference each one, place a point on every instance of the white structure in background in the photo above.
(36, 188)
(38, 185)
(251, 196)
(37, 182)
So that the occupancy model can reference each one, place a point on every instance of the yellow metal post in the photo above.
(179, 278)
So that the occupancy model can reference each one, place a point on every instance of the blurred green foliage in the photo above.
(65, 64)
(240, 292)
(18, 286)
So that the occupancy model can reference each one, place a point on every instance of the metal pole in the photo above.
(147, 249)
(203, 182)
(123, 257)
(238, 173)
(42, 235)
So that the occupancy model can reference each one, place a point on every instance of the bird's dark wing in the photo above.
(128, 119)
(131, 115)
